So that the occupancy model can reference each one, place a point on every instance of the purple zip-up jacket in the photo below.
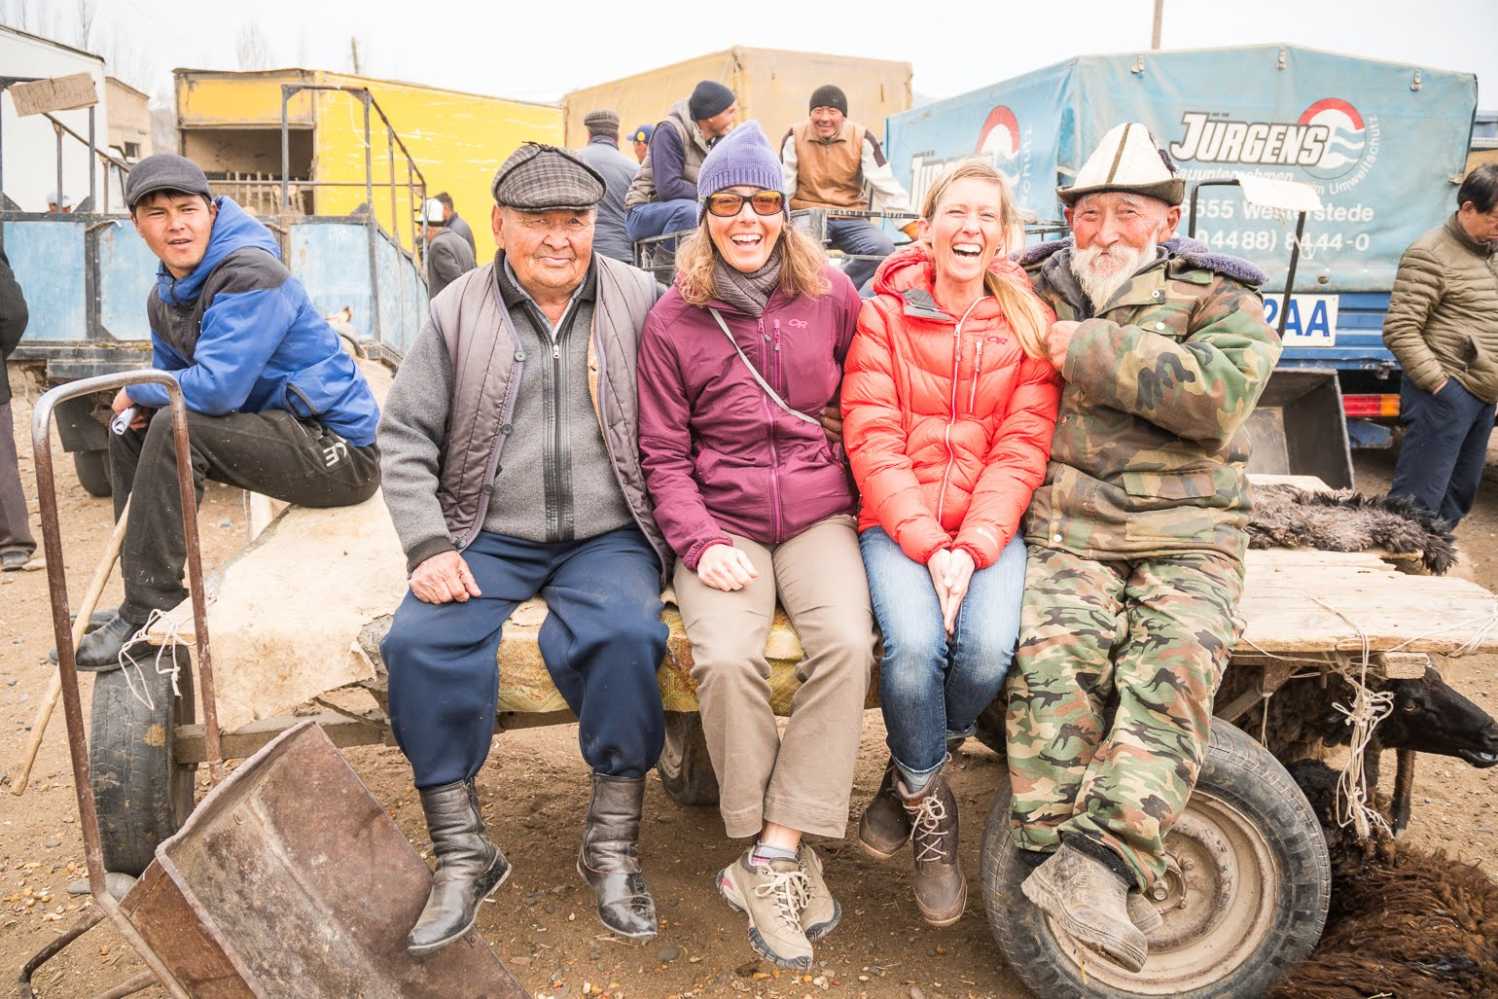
(719, 455)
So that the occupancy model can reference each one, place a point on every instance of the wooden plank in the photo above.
(1308, 601)
(189, 746)
(61, 93)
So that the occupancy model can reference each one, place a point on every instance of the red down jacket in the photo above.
(947, 422)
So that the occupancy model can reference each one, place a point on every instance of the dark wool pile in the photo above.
(1403, 922)
(1345, 521)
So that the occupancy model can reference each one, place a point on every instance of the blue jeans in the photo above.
(656, 218)
(601, 641)
(932, 685)
(1445, 446)
(863, 238)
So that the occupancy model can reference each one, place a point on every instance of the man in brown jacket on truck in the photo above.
(1442, 325)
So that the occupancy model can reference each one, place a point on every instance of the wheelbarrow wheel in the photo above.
(142, 793)
(685, 768)
(93, 472)
(1245, 898)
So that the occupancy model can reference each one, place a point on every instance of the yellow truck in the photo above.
(772, 86)
(230, 122)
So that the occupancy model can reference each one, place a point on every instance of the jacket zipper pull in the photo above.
(556, 351)
(972, 398)
(777, 334)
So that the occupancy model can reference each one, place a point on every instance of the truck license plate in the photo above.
(1311, 320)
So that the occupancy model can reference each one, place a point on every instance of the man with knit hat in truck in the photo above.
(831, 162)
(663, 197)
(1136, 541)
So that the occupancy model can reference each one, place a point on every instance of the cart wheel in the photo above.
(93, 472)
(685, 768)
(1245, 899)
(142, 793)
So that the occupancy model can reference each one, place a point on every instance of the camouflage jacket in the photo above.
(1150, 446)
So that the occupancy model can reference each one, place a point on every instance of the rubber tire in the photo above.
(142, 794)
(685, 769)
(1237, 770)
(93, 472)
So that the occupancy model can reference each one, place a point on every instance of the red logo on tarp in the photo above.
(1346, 139)
(999, 137)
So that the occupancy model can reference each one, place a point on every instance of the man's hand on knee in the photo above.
(444, 578)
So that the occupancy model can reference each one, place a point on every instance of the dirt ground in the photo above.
(534, 791)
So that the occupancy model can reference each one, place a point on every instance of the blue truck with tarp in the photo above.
(1383, 144)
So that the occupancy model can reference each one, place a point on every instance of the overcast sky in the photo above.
(539, 50)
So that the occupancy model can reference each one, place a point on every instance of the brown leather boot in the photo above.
(1090, 900)
(884, 827)
(940, 888)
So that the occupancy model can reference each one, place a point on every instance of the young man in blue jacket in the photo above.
(274, 404)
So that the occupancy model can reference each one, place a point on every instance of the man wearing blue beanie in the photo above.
(663, 197)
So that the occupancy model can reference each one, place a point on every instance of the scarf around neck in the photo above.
(748, 293)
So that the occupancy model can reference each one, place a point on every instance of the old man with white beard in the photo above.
(1136, 541)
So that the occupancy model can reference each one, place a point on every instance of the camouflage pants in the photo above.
(1151, 636)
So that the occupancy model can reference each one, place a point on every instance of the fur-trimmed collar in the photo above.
(1194, 252)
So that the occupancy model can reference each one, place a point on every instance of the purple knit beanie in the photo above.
(743, 156)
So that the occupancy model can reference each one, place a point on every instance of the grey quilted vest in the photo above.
(487, 359)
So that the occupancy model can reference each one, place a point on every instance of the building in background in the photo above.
(129, 120)
(30, 146)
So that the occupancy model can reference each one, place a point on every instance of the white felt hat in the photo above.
(1127, 160)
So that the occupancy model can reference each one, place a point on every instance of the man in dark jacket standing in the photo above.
(511, 469)
(274, 404)
(618, 172)
(448, 255)
(16, 542)
(1442, 325)
(456, 222)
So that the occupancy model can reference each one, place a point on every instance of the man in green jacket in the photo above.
(1136, 541)
(1442, 325)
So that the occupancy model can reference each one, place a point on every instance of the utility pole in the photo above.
(353, 43)
(1159, 17)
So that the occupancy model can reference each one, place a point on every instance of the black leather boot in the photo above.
(609, 859)
(470, 868)
(100, 649)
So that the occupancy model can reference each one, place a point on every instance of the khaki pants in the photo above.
(804, 779)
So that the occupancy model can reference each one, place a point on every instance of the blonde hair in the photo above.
(801, 267)
(1026, 313)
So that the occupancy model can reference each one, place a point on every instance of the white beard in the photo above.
(1100, 283)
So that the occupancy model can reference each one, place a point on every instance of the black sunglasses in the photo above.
(727, 204)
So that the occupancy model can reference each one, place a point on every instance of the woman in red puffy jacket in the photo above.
(949, 405)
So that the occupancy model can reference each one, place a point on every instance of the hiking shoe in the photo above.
(822, 912)
(772, 895)
(940, 888)
(1090, 901)
(884, 827)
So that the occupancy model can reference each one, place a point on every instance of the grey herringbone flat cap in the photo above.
(541, 178)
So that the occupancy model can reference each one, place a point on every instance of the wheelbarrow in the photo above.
(289, 879)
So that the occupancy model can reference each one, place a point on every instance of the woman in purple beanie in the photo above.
(736, 364)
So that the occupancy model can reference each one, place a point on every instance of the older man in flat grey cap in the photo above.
(511, 469)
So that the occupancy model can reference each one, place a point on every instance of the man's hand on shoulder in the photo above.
(1058, 341)
(443, 578)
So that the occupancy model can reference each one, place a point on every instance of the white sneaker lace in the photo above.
(927, 821)
(790, 892)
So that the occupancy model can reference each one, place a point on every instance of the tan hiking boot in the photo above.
(1143, 914)
(822, 912)
(940, 888)
(884, 827)
(1090, 902)
(773, 896)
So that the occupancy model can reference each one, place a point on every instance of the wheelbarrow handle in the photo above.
(67, 669)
